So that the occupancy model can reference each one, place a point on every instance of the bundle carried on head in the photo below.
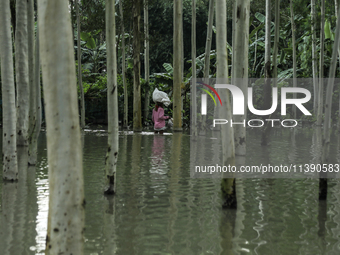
(161, 97)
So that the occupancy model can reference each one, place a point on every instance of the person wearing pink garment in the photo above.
(159, 118)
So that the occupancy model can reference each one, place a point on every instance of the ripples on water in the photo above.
(159, 209)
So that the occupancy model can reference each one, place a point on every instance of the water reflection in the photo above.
(19, 210)
(159, 209)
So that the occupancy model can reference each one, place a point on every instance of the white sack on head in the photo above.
(161, 97)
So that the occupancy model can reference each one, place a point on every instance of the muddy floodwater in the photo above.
(159, 209)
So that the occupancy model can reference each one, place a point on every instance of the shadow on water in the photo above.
(159, 209)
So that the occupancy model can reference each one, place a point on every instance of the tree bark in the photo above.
(227, 133)
(207, 55)
(336, 15)
(209, 39)
(80, 82)
(66, 186)
(267, 69)
(294, 53)
(193, 68)
(137, 113)
(9, 143)
(30, 54)
(36, 105)
(241, 69)
(146, 60)
(177, 65)
(330, 85)
(321, 67)
(276, 40)
(126, 109)
(112, 98)
(233, 40)
(314, 59)
(21, 71)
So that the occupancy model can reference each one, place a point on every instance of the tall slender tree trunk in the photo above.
(193, 68)
(328, 111)
(21, 71)
(276, 40)
(330, 85)
(207, 53)
(241, 69)
(177, 65)
(80, 80)
(233, 40)
(126, 109)
(314, 59)
(30, 40)
(9, 142)
(227, 133)
(66, 185)
(112, 98)
(336, 15)
(294, 52)
(146, 60)
(35, 99)
(209, 39)
(137, 117)
(321, 67)
(267, 43)
(267, 69)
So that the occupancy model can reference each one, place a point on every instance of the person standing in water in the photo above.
(158, 118)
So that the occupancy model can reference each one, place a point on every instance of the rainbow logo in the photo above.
(213, 90)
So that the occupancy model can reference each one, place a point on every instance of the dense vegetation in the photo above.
(92, 17)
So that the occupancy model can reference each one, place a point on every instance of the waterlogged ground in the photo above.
(159, 209)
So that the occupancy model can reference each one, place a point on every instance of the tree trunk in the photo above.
(330, 85)
(9, 155)
(125, 121)
(146, 60)
(30, 40)
(241, 69)
(207, 55)
(177, 65)
(21, 71)
(227, 132)
(80, 82)
(267, 68)
(193, 68)
(66, 186)
(321, 67)
(276, 40)
(233, 40)
(336, 15)
(267, 43)
(314, 59)
(294, 53)
(137, 117)
(112, 98)
(209, 39)
(36, 105)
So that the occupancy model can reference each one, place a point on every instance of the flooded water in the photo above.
(159, 209)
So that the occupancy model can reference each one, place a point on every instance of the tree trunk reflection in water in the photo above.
(109, 226)
(19, 209)
(292, 155)
(9, 200)
(129, 244)
(227, 228)
(32, 207)
(335, 230)
(240, 212)
(175, 165)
